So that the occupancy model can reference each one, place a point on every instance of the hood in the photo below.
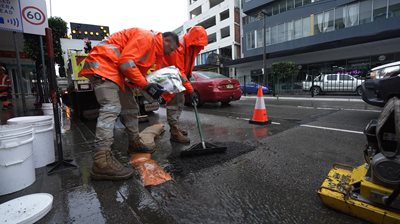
(197, 36)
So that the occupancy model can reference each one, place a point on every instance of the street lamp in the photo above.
(265, 77)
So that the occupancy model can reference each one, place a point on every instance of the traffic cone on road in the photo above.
(260, 115)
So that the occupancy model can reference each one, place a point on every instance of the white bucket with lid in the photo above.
(47, 108)
(43, 144)
(17, 169)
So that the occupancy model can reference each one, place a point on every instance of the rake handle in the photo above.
(203, 144)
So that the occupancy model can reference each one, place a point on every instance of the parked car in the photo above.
(214, 87)
(333, 83)
(384, 83)
(252, 87)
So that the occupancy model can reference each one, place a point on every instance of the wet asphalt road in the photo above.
(268, 175)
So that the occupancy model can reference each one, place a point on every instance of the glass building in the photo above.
(320, 36)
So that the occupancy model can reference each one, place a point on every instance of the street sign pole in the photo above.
(19, 73)
(45, 86)
(62, 163)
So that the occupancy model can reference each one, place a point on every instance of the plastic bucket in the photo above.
(17, 170)
(47, 108)
(43, 144)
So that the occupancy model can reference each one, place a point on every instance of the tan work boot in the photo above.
(106, 167)
(178, 136)
(138, 146)
(184, 132)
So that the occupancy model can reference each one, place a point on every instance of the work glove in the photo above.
(154, 90)
(193, 98)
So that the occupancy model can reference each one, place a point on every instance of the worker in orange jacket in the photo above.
(113, 67)
(183, 58)
(5, 88)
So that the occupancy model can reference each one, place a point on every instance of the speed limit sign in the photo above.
(34, 16)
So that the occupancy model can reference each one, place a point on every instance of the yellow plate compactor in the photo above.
(370, 191)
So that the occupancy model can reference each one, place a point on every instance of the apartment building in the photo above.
(221, 19)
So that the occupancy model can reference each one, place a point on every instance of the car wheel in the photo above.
(225, 103)
(359, 91)
(316, 90)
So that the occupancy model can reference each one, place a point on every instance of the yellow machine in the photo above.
(370, 191)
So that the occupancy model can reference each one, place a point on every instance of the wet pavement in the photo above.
(268, 175)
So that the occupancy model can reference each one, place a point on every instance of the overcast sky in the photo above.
(158, 15)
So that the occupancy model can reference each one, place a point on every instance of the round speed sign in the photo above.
(33, 15)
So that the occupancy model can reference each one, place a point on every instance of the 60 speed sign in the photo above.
(33, 15)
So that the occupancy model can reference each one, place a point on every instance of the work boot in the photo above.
(184, 132)
(138, 146)
(106, 167)
(178, 136)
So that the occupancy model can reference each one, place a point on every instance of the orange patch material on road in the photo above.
(150, 172)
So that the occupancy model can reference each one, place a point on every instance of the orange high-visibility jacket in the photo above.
(183, 58)
(126, 54)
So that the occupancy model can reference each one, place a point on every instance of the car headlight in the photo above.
(385, 72)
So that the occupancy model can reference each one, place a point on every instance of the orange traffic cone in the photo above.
(260, 115)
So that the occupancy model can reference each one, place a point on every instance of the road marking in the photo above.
(344, 109)
(277, 123)
(332, 129)
(306, 98)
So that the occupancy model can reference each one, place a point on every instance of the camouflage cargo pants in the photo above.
(113, 103)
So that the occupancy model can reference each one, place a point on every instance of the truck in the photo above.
(80, 95)
(339, 82)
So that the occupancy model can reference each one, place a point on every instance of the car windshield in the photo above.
(210, 75)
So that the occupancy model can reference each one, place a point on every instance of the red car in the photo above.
(214, 87)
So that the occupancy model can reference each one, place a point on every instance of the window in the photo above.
(268, 36)
(290, 30)
(250, 40)
(281, 33)
(306, 27)
(224, 15)
(289, 4)
(298, 3)
(212, 38)
(345, 77)
(225, 32)
(274, 35)
(324, 22)
(298, 29)
(339, 21)
(331, 77)
(282, 6)
(394, 8)
(379, 9)
(215, 3)
(350, 15)
(306, 2)
(260, 38)
(192, 1)
(366, 11)
(275, 8)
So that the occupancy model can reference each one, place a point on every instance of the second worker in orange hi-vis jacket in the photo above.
(113, 67)
(183, 58)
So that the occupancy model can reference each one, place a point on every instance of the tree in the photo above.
(284, 70)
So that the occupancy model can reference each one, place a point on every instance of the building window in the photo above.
(268, 36)
(202, 58)
(224, 15)
(306, 27)
(192, 1)
(324, 22)
(380, 7)
(298, 3)
(208, 23)
(282, 6)
(274, 34)
(290, 30)
(298, 29)
(212, 38)
(215, 3)
(394, 8)
(260, 38)
(306, 2)
(290, 4)
(275, 8)
(281, 33)
(195, 12)
(225, 32)
(250, 40)
(350, 15)
(366, 11)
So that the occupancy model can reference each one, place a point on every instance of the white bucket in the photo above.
(47, 108)
(17, 170)
(43, 144)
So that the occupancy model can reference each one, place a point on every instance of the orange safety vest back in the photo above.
(127, 54)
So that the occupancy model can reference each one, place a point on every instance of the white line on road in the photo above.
(306, 98)
(344, 109)
(332, 129)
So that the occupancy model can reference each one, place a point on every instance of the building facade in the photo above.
(221, 19)
(320, 36)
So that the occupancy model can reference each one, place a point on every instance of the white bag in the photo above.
(169, 78)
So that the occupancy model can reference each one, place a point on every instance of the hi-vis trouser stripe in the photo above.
(260, 104)
(128, 64)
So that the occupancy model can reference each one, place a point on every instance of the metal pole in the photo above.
(265, 78)
(45, 86)
(19, 75)
(51, 10)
